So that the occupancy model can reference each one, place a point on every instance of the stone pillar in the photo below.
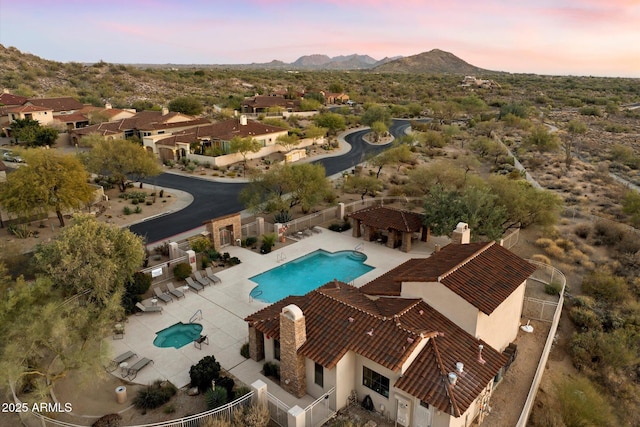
(260, 225)
(173, 250)
(256, 344)
(193, 262)
(259, 389)
(406, 242)
(462, 234)
(296, 417)
(368, 233)
(355, 227)
(293, 334)
(340, 211)
(391, 238)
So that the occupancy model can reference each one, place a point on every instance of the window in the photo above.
(424, 404)
(375, 381)
(319, 375)
(276, 349)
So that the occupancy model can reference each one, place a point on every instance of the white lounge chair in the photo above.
(202, 280)
(162, 296)
(193, 285)
(175, 292)
(215, 279)
(146, 309)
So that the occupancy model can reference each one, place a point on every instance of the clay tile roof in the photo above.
(57, 104)
(71, 118)
(484, 274)
(104, 129)
(427, 377)
(385, 218)
(25, 109)
(227, 129)
(263, 101)
(10, 99)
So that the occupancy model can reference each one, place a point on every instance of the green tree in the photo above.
(186, 105)
(244, 146)
(376, 113)
(310, 105)
(336, 87)
(379, 129)
(574, 128)
(542, 139)
(288, 142)
(122, 160)
(91, 257)
(363, 185)
(394, 155)
(314, 132)
(331, 121)
(25, 130)
(52, 182)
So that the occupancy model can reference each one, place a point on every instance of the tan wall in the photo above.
(445, 301)
(501, 328)
(378, 399)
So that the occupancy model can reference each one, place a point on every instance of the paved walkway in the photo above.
(224, 306)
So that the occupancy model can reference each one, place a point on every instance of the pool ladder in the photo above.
(195, 316)
(280, 257)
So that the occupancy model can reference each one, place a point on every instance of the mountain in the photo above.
(324, 62)
(435, 61)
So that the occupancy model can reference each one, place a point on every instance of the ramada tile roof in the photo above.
(484, 274)
(264, 101)
(224, 130)
(341, 318)
(10, 99)
(384, 218)
(57, 104)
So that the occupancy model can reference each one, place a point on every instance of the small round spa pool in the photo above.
(178, 335)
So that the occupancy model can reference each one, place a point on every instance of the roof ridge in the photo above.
(319, 290)
(447, 386)
(466, 260)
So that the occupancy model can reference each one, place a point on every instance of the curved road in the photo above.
(213, 199)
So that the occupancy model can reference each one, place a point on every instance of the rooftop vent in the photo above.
(453, 378)
(459, 367)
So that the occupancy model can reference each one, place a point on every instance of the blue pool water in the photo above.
(178, 335)
(304, 274)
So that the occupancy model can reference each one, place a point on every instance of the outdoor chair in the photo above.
(175, 292)
(193, 285)
(162, 296)
(199, 341)
(146, 309)
(202, 280)
(132, 372)
(316, 229)
(306, 232)
(215, 279)
(116, 361)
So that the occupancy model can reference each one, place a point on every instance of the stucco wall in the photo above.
(501, 327)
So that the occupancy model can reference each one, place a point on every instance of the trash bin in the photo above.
(121, 394)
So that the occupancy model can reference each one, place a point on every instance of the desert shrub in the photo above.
(608, 233)
(541, 258)
(544, 242)
(205, 371)
(182, 270)
(127, 210)
(252, 416)
(339, 227)
(565, 244)
(590, 110)
(241, 391)
(584, 318)
(603, 285)
(581, 404)
(244, 350)
(154, 395)
(200, 244)
(268, 242)
(282, 217)
(228, 384)
(250, 241)
(578, 257)
(554, 251)
(215, 397)
(584, 301)
(137, 210)
(109, 420)
(271, 369)
(553, 288)
(582, 230)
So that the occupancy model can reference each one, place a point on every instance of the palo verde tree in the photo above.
(333, 122)
(122, 160)
(244, 146)
(186, 105)
(52, 181)
(363, 185)
(393, 156)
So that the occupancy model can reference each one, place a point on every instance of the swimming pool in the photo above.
(304, 274)
(178, 335)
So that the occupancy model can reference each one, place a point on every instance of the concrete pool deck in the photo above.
(224, 307)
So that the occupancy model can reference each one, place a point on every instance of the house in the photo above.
(42, 115)
(335, 98)
(264, 104)
(216, 135)
(424, 341)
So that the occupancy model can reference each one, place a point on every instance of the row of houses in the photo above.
(426, 341)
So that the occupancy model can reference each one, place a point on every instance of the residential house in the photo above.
(42, 115)
(264, 104)
(335, 98)
(424, 341)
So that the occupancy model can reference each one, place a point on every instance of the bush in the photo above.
(251, 241)
(127, 210)
(582, 230)
(584, 318)
(252, 416)
(205, 371)
(282, 217)
(340, 227)
(268, 242)
(553, 288)
(244, 350)
(154, 395)
(228, 384)
(271, 369)
(110, 420)
(137, 210)
(581, 404)
(608, 234)
(182, 270)
(200, 244)
(603, 285)
(215, 397)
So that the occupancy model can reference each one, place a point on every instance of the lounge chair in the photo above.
(162, 296)
(307, 232)
(193, 285)
(116, 361)
(316, 229)
(132, 372)
(202, 280)
(147, 309)
(215, 279)
(175, 292)
(199, 341)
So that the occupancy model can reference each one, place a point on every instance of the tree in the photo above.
(288, 142)
(376, 113)
(332, 121)
(314, 132)
(542, 140)
(363, 185)
(91, 256)
(46, 136)
(244, 146)
(574, 128)
(378, 129)
(51, 182)
(122, 160)
(25, 130)
(631, 206)
(394, 155)
(186, 105)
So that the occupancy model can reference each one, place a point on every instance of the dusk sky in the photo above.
(558, 37)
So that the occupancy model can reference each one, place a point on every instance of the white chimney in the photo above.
(459, 367)
(107, 106)
(165, 111)
(453, 378)
(243, 120)
(462, 234)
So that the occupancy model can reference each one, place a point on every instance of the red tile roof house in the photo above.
(263, 104)
(425, 341)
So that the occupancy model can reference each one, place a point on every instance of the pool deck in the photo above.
(224, 307)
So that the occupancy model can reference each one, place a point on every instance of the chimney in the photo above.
(462, 234)
(107, 106)
(243, 120)
(165, 111)
(293, 334)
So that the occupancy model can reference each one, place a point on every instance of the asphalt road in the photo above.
(213, 199)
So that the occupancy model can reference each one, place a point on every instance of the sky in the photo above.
(552, 37)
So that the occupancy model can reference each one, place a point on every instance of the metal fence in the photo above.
(164, 271)
(539, 309)
(320, 410)
(278, 410)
